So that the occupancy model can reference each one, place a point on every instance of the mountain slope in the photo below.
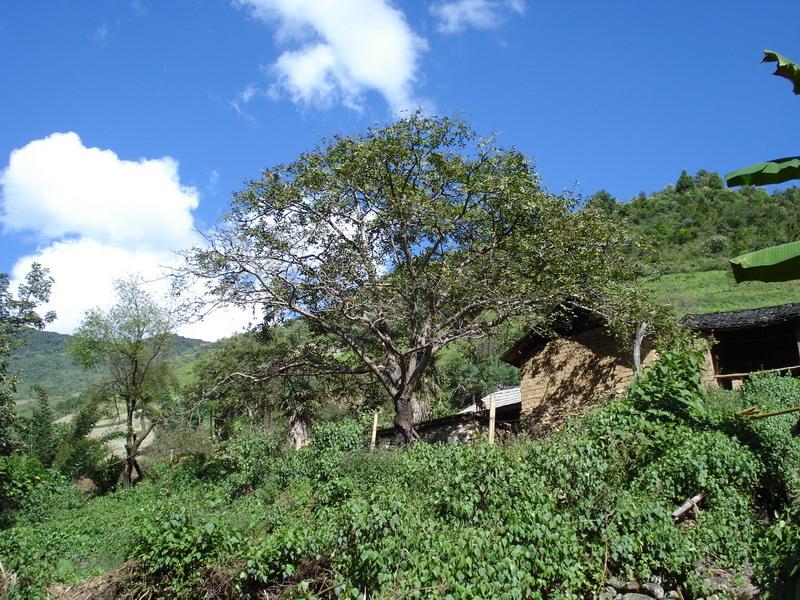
(44, 359)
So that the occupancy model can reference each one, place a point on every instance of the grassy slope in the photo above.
(547, 518)
(712, 291)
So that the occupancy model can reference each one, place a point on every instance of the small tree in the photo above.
(42, 440)
(400, 241)
(131, 341)
(16, 313)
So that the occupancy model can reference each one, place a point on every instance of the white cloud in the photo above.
(56, 186)
(457, 15)
(101, 35)
(101, 218)
(84, 271)
(346, 48)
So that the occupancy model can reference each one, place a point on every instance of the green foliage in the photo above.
(337, 436)
(177, 550)
(16, 313)
(779, 554)
(17, 477)
(713, 291)
(697, 225)
(42, 441)
(247, 458)
(43, 358)
(29, 492)
(773, 439)
(673, 384)
(544, 518)
(467, 371)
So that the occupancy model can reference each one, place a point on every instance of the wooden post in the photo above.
(491, 418)
(374, 430)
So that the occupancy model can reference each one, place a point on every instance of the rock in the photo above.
(654, 589)
(631, 586)
(728, 584)
(635, 596)
(615, 583)
(86, 485)
(674, 595)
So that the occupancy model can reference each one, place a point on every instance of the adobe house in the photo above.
(582, 364)
(570, 371)
(746, 341)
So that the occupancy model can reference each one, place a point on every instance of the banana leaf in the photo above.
(786, 68)
(776, 263)
(780, 169)
(763, 173)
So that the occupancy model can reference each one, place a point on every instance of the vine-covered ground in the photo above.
(554, 517)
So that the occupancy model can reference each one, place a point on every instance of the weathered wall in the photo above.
(570, 373)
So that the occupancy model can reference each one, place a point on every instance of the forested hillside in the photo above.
(697, 224)
(43, 359)
(692, 228)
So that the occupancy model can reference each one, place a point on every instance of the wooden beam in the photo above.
(374, 430)
(749, 373)
(690, 504)
(491, 418)
(774, 413)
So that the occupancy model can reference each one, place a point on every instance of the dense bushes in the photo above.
(547, 518)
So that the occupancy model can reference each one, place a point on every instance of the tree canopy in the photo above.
(18, 311)
(394, 243)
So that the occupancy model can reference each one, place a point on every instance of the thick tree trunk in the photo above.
(404, 421)
(298, 431)
(420, 408)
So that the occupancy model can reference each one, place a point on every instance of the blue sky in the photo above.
(619, 95)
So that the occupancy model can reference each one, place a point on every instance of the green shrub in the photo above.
(543, 518)
(779, 554)
(772, 438)
(707, 462)
(248, 459)
(673, 384)
(176, 550)
(29, 493)
(337, 436)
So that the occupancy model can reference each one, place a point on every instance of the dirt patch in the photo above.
(115, 585)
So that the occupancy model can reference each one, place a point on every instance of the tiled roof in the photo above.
(501, 398)
(743, 319)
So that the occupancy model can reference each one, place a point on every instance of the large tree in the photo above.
(399, 241)
(17, 312)
(131, 342)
